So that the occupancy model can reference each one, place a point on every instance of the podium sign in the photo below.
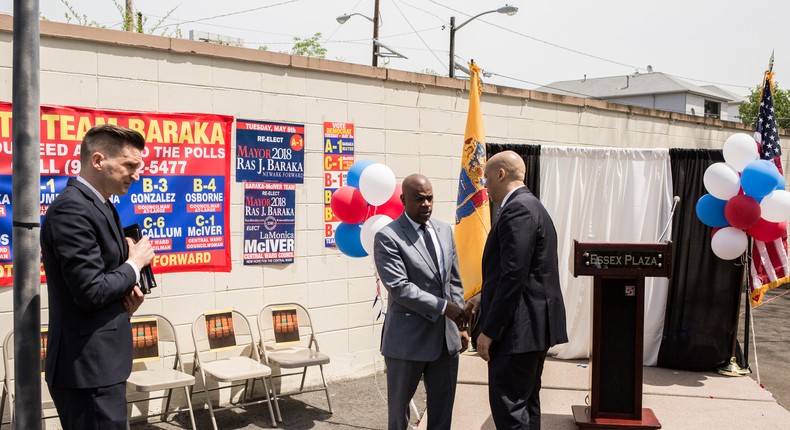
(619, 271)
(622, 259)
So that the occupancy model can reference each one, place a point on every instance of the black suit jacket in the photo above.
(90, 337)
(521, 302)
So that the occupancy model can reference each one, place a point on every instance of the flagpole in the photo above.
(732, 368)
(748, 311)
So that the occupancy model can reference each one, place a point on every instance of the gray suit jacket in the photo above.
(415, 328)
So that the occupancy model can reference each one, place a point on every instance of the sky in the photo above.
(726, 43)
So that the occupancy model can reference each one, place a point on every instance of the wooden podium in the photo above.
(619, 271)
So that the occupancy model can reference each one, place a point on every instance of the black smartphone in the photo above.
(147, 280)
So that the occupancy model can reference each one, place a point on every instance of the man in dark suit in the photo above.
(92, 272)
(522, 313)
(416, 260)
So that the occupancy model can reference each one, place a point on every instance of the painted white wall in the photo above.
(411, 122)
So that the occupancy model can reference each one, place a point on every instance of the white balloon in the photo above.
(775, 207)
(369, 230)
(729, 243)
(722, 181)
(377, 183)
(740, 149)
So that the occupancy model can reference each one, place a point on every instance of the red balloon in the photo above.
(348, 204)
(742, 212)
(392, 207)
(768, 231)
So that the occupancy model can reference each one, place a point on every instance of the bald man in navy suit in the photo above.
(522, 313)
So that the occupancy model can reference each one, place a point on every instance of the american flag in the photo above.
(769, 268)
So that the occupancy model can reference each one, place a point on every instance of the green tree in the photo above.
(749, 108)
(71, 14)
(309, 47)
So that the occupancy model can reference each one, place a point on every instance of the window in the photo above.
(712, 109)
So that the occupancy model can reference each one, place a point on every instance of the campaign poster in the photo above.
(180, 202)
(269, 219)
(269, 152)
(220, 331)
(145, 339)
(285, 321)
(338, 158)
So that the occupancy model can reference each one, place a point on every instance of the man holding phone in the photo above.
(92, 276)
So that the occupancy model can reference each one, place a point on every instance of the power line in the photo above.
(230, 13)
(418, 35)
(576, 51)
(338, 25)
(442, 20)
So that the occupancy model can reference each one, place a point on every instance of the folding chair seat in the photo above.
(8, 394)
(155, 343)
(287, 342)
(225, 351)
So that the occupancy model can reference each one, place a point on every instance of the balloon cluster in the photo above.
(370, 201)
(747, 197)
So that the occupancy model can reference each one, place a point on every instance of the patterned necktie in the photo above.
(428, 238)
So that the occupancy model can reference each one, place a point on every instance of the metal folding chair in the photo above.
(8, 380)
(225, 351)
(155, 343)
(288, 342)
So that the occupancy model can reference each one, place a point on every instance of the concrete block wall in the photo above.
(411, 122)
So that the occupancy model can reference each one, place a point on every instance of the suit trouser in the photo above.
(514, 389)
(440, 377)
(102, 408)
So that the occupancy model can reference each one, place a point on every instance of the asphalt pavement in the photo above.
(769, 351)
(678, 398)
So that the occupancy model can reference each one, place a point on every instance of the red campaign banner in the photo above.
(181, 200)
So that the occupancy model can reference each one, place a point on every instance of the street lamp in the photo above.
(375, 20)
(506, 9)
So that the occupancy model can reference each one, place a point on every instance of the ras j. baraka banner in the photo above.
(181, 200)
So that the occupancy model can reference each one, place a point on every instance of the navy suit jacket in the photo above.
(521, 301)
(90, 337)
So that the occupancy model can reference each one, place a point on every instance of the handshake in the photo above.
(463, 316)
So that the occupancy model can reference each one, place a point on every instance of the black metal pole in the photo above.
(375, 34)
(747, 323)
(452, 46)
(25, 188)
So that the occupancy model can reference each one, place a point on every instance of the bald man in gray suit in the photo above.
(425, 326)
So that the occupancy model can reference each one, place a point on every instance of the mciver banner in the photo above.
(269, 152)
(269, 220)
(181, 200)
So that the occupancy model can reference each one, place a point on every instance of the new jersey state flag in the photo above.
(472, 214)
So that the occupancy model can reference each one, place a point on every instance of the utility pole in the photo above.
(26, 189)
(128, 22)
(376, 34)
(452, 46)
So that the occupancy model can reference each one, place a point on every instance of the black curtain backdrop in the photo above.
(531, 156)
(702, 303)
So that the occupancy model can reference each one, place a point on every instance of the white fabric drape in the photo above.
(605, 195)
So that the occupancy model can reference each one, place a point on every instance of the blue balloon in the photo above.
(348, 241)
(355, 172)
(780, 180)
(759, 178)
(710, 211)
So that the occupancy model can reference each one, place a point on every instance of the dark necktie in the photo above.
(428, 238)
(118, 225)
